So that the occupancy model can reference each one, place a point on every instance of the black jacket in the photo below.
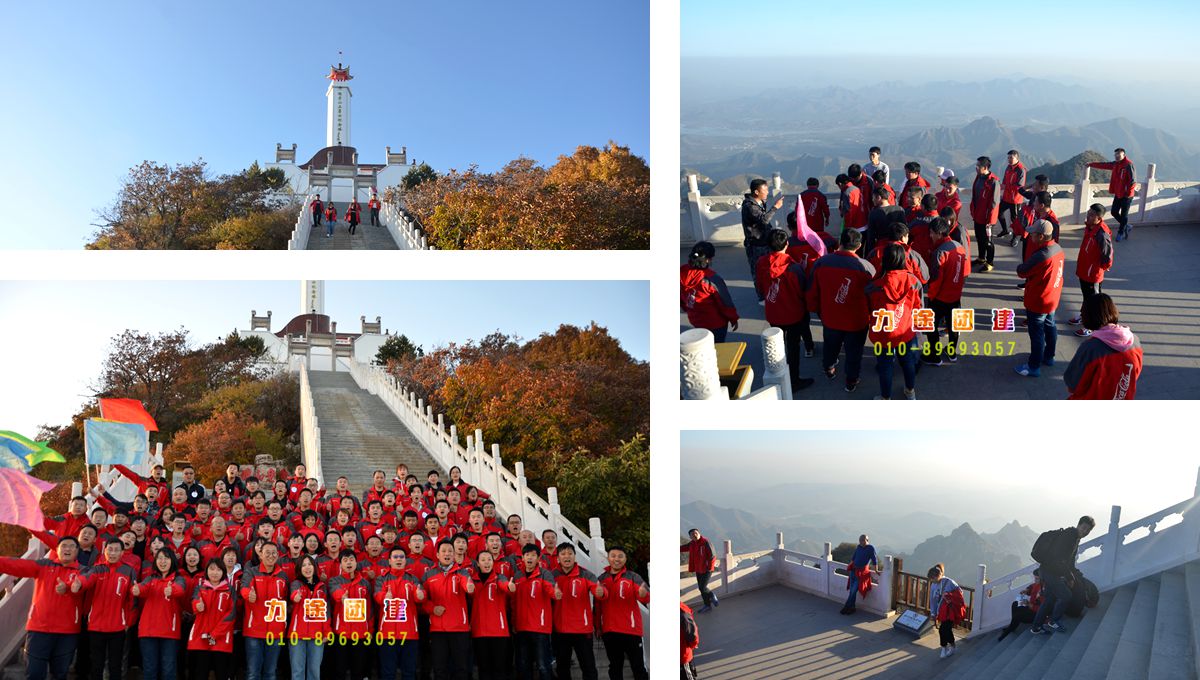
(194, 492)
(756, 221)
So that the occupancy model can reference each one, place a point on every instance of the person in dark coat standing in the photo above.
(353, 215)
(756, 224)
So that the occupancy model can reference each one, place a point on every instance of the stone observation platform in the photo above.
(779, 614)
(1155, 283)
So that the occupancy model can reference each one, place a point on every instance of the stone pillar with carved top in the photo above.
(699, 377)
(775, 365)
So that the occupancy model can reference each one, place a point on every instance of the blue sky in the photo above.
(98, 87)
(1028, 37)
(74, 337)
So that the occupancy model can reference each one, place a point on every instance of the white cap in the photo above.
(945, 173)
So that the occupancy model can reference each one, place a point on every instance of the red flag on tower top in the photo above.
(127, 411)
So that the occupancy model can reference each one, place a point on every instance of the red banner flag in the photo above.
(127, 411)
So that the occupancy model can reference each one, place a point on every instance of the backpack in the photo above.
(1048, 547)
(688, 631)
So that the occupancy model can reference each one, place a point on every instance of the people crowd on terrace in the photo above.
(259, 579)
(895, 275)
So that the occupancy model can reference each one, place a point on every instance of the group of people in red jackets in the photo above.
(423, 579)
(353, 213)
(907, 251)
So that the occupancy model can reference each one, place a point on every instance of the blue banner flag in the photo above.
(107, 442)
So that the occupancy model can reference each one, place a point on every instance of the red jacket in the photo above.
(1101, 371)
(853, 208)
(949, 199)
(1095, 253)
(49, 611)
(373, 203)
(619, 611)
(162, 616)
(489, 606)
(919, 238)
(351, 598)
(311, 616)
(905, 201)
(1122, 182)
(1014, 179)
(1029, 219)
(210, 549)
(1043, 274)
(782, 281)
(397, 615)
(533, 601)
(573, 613)
(949, 267)
(66, 525)
(835, 290)
(687, 647)
(803, 252)
(447, 589)
(331, 213)
(267, 615)
(984, 209)
(898, 292)
(866, 186)
(914, 262)
(109, 599)
(705, 298)
(700, 555)
(164, 495)
(218, 619)
(816, 208)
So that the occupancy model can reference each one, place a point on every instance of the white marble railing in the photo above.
(699, 374)
(1123, 554)
(813, 574)
(404, 232)
(485, 470)
(304, 223)
(310, 429)
(718, 219)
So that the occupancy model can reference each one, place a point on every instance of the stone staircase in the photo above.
(366, 237)
(1146, 630)
(359, 434)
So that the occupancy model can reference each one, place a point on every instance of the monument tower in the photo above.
(312, 297)
(337, 120)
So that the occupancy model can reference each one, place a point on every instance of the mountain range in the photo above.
(961, 548)
(958, 147)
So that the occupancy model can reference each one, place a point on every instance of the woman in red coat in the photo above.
(489, 619)
(704, 295)
(891, 300)
(161, 624)
(309, 628)
(210, 643)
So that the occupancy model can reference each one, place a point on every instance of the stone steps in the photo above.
(360, 434)
(365, 237)
(1147, 630)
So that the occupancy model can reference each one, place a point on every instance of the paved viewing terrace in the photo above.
(780, 632)
(1155, 283)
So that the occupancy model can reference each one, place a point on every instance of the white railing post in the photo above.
(695, 214)
(779, 540)
(1111, 546)
(555, 517)
(496, 467)
(1083, 195)
(977, 604)
(476, 456)
(429, 426)
(1149, 189)
(726, 566)
(775, 365)
(454, 443)
(521, 491)
(699, 377)
(827, 567)
(598, 550)
(470, 442)
(886, 578)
